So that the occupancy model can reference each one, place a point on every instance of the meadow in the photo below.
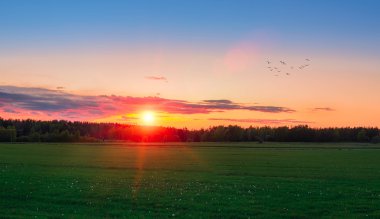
(197, 180)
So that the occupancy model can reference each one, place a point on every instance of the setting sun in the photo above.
(148, 117)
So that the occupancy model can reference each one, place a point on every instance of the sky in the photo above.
(192, 63)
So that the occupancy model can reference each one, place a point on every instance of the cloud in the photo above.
(7, 110)
(43, 99)
(323, 109)
(62, 105)
(157, 78)
(263, 121)
(269, 109)
(223, 104)
(218, 101)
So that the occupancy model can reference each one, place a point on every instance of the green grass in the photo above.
(227, 180)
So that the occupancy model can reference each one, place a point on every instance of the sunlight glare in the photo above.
(148, 117)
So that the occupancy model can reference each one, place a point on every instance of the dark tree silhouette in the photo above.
(67, 131)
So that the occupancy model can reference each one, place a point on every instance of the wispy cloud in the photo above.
(7, 110)
(61, 104)
(323, 109)
(230, 105)
(157, 78)
(219, 101)
(264, 121)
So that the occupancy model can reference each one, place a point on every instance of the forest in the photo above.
(67, 131)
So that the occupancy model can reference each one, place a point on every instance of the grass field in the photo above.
(289, 180)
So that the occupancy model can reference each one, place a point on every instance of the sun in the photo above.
(148, 117)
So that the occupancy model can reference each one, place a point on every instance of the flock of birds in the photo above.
(285, 68)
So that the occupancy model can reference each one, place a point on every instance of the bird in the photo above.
(282, 62)
(268, 62)
(307, 60)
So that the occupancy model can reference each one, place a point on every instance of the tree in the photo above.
(219, 133)
(66, 131)
(362, 136)
(34, 137)
(7, 134)
(376, 139)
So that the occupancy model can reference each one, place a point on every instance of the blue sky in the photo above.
(42, 23)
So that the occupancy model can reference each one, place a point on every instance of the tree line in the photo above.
(12, 130)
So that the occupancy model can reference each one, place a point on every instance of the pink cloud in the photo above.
(63, 105)
(157, 78)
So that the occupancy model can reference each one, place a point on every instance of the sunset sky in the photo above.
(192, 63)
